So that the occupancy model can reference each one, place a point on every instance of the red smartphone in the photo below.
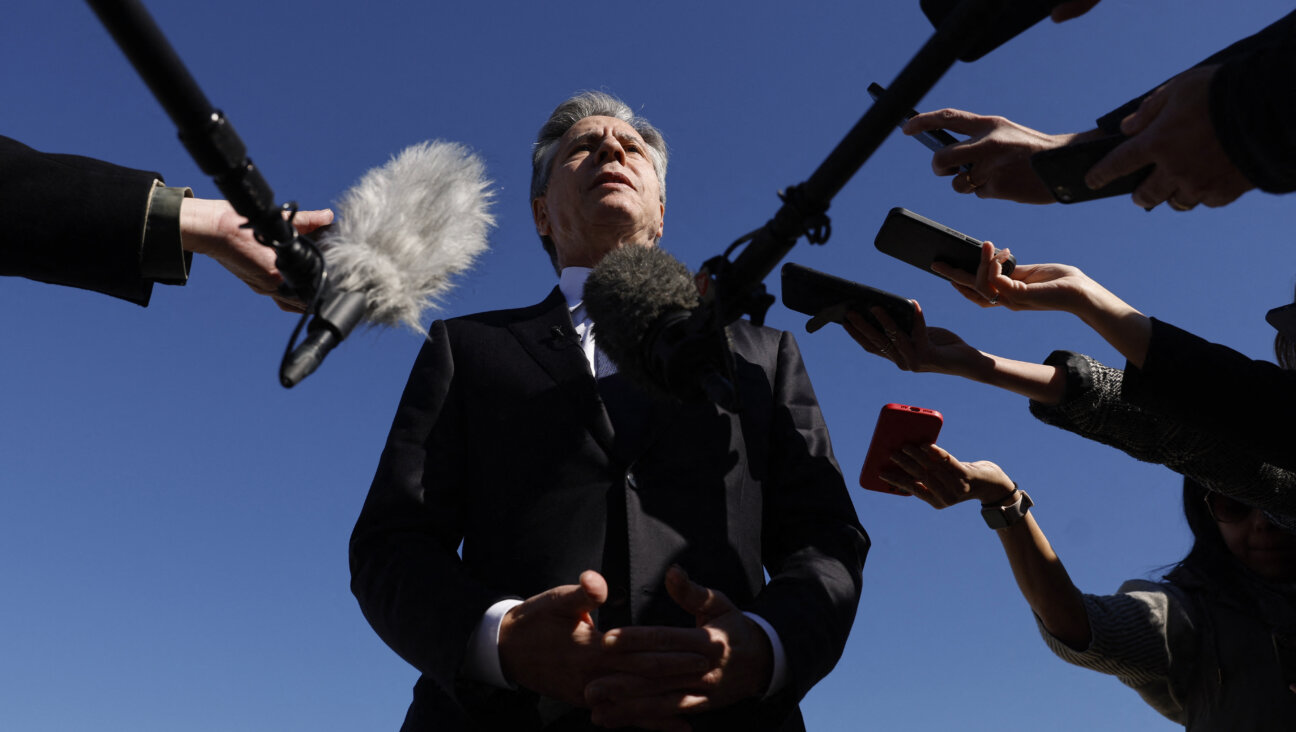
(898, 425)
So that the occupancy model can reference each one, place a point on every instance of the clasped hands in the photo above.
(646, 676)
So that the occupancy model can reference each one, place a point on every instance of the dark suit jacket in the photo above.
(69, 220)
(503, 441)
(1252, 100)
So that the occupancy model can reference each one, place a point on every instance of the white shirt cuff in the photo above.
(482, 662)
(778, 676)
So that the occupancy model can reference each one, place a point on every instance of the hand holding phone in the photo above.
(827, 298)
(1063, 170)
(922, 242)
(898, 425)
(933, 140)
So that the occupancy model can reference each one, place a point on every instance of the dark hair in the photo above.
(1209, 555)
(1285, 349)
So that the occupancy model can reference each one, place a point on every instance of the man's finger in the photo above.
(1149, 109)
(657, 638)
(636, 710)
(308, 221)
(954, 120)
(949, 159)
(594, 586)
(579, 600)
(1126, 158)
(697, 600)
(618, 687)
(1155, 190)
(658, 664)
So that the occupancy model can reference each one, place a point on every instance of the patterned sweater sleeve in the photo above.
(1092, 407)
(1141, 635)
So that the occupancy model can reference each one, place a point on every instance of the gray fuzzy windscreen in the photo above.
(625, 293)
(407, 227)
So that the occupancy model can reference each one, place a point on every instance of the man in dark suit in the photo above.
(76, 221)
(553, 548)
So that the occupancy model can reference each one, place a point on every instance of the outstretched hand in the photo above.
(1031, 286)
(740, 663)
(998, 150)
(1172, 129)
(549, 643)
(940, 479)
(1055, 287)
(212, 227)
(924, 349)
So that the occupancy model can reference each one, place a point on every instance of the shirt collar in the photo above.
(572, 283)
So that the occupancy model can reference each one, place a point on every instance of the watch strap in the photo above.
(1001, 517)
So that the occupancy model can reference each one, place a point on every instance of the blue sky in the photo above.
(175, 523)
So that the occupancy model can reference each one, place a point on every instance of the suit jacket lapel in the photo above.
(550, 339)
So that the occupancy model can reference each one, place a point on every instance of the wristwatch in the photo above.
(1001, 517)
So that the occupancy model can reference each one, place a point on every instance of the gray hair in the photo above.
(575, 109)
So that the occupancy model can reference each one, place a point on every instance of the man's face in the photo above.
(602, 191)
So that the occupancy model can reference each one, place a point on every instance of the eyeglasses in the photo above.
(1226, 510)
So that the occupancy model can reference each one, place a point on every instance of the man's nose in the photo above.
(610, 149)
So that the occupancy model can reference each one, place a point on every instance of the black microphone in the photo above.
(650, 321)
(993, 31)
(403, 231)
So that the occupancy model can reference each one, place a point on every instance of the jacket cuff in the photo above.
(162, 255)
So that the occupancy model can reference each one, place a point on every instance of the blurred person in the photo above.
(613, 545)
(1198, 646)
(1213, 132)
(76, 221)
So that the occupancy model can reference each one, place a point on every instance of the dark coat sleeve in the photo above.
(75, 221)
(1216, 388)
(1094, 408)
(405, 569)
(813, 545)
(1252, 99)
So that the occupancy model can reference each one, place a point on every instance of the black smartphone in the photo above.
(932, 139)
(828, 297)
(921, 242)
(1063, 170)
(1015, 18)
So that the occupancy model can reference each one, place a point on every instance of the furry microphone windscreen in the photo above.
(407, 227)
(626, 293)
